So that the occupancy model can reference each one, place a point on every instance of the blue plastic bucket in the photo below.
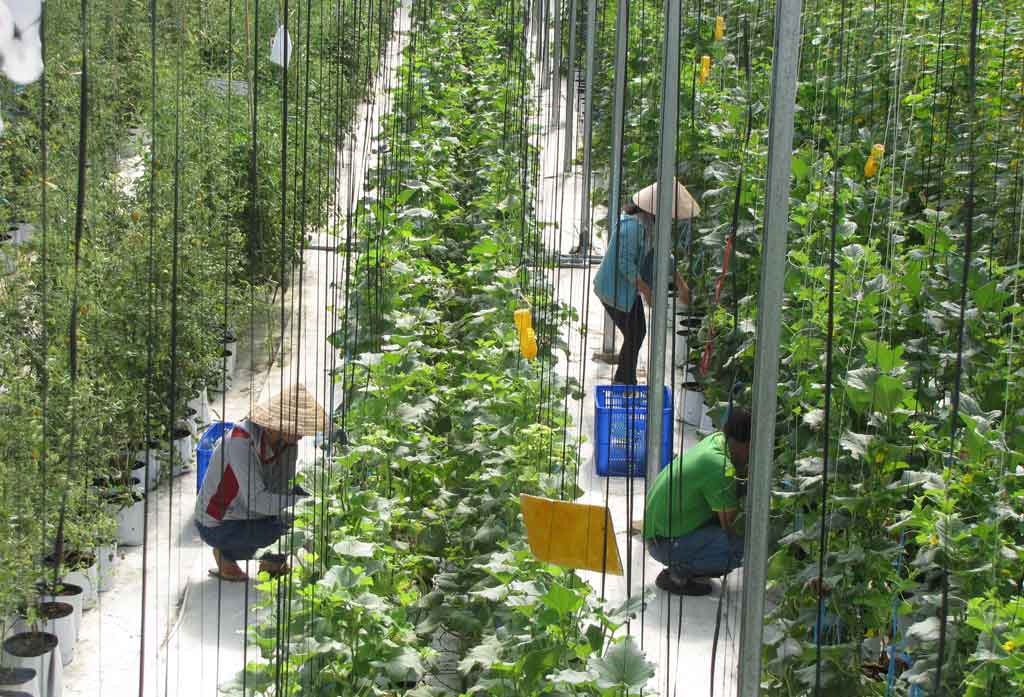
(204, 451)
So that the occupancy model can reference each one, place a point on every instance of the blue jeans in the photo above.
(241, 539)
(706, 551)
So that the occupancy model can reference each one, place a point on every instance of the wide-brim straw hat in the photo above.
(685, 207)
(294, 411)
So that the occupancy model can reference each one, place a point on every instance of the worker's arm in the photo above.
(630, 248)
(727, 518)
(682, 289)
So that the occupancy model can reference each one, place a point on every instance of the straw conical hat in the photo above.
(294, 411)
(685, 206)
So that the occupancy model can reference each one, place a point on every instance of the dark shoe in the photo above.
(669, 583)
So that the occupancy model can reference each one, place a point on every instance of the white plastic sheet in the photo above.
(20, 48)
(281, 48)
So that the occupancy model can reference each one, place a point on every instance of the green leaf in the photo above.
(889, 393)
(882, 356)
(406, 666)
(537, 663)
(495, 594)
(561, 599)
(340, 577)
(573, 677)
(856, 444)
(484, 655)
(351, 547)
(800, 168)
(624, 666)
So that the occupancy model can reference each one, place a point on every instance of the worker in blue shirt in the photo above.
(620, 281)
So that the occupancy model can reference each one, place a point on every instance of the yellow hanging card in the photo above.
(719, 28)
(573, 535)
(705, 68)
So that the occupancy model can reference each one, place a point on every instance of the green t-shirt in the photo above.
(699, 485)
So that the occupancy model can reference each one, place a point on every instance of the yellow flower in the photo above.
(934, 539)
(968, 479)
(1009, 646)
(871, 632)
(719, 28)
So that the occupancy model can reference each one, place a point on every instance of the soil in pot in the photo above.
(19, 681)
(70, 593)
(40, 653)
(80, 569)
(31, 644)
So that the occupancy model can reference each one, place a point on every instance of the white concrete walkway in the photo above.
(678, 635)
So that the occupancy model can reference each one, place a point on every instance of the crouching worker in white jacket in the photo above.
(248, 482)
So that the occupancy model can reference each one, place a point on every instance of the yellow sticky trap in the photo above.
(871, 166)
(573, 535)
(528, 344)
(719, 28)
(527, 337)
(523, 320)
(705, 68)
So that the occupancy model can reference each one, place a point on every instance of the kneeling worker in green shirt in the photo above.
(691, 509)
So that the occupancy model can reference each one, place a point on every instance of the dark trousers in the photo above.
(706, 551)
(241, 539)
(633, 326)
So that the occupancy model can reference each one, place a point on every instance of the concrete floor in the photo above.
(195, 641)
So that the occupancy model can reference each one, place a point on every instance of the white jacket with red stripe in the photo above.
(245, 479)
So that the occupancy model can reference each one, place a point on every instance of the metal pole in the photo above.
(570, 89)
(615, 185)
(555, 76)
(663, 238)
(766, 358)
(619, 106)
(583, 247)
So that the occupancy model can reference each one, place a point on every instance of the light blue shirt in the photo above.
(615, 281)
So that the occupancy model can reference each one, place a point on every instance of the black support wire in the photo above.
(954, 415)
(829, 361)
(150, 342)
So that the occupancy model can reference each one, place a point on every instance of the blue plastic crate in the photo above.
(206, 446)
(620, 426)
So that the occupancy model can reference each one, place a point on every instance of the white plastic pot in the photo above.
(147, 459)
(88, 580)
(130, 521)
(19, 681)
(69, 594)
(182, 452)
(694, 409)
(106, 557)
(41, 653)
(201, 404)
